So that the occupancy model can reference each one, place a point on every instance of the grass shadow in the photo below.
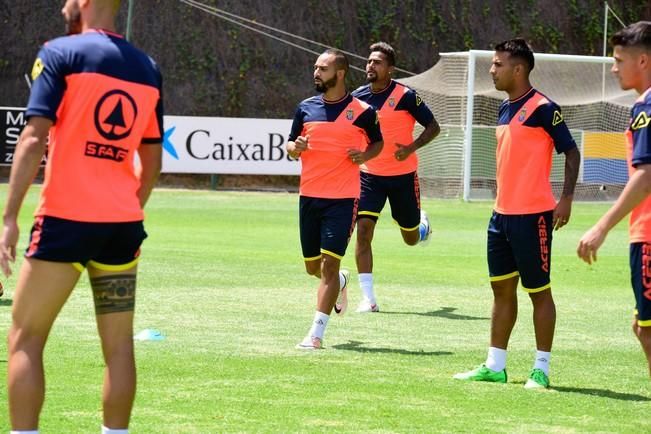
(357, 346)
(444, 312)
(6, 301)
(604, 393)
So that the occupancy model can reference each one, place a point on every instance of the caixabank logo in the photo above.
(227, 145)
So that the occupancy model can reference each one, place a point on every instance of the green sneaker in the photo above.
(537, 380)
(482, 373)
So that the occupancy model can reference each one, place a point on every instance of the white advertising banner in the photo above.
(198, 144)
(227, 146)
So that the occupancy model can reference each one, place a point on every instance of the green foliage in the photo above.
(205, 59)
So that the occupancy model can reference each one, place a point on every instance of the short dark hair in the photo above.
(636, 35)
(519, 49)
(385, 49)
(341, 61)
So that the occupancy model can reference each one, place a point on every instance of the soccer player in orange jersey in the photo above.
(99, 98)
(530, 127)
(332, 133)
(632, 53)
(392, 175)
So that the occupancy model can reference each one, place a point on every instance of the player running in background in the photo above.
(392, 175)
(632, 53)
(530, 127)
(100, 100)
(332, 133)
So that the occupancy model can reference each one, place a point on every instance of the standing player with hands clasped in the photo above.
(530, 127)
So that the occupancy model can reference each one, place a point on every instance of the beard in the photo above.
(371, 78)
(73, 21)
(325, 85)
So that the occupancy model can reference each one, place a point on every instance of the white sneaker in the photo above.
(310, 343)
(342, 300)
(424, 229)
(366, 306)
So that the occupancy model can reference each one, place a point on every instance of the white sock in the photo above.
(319, 324)
(366, 285)
(496, 360)
(35, 431)
(342, 280)
(542, 361)
(114, 431)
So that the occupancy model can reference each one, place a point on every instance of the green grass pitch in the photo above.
(222, 278)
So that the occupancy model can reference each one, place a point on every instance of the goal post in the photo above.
(460, 163)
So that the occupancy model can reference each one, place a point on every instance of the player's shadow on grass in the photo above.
(357, 346)
(5, 301)
(444, 312)
(604, 393)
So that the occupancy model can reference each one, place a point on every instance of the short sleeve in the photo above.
(48, 76)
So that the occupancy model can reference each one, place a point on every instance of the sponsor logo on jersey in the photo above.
(557, 119)
(37, 68)
(641, 121)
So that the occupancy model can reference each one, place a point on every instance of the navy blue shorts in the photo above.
(326, 226)
(403, 192)
(521, 245)
(107, 246)
(640, 259)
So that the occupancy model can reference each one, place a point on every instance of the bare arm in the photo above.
(151, 156)
(27, 159)
(296, 148)
(636, 190)
(563, 209)
(372, 151)
(427, 135)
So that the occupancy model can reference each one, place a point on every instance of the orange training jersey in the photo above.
(638, 140)
(334, 128)
(399, 107)
(104, 97)
(528, 130)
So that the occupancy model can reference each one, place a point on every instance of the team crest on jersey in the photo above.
(641, 121)
(392, 102)
(522, 115)
(37, 68)
(349, 114)
(557, 119)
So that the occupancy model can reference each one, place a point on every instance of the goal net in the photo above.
(460, 163)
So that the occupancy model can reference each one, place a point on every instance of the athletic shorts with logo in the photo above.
(326, 226)
(403, 193)
(104, 245)
(521, 245)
